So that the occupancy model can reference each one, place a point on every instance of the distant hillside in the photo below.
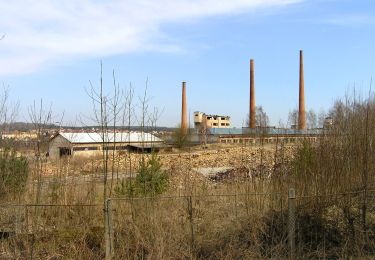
(132, 128)
(24, 126)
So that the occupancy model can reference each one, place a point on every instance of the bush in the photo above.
(180, 138)
(151, 179)
(13, 172)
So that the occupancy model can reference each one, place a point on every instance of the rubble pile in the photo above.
(238, 174)
(242, 162)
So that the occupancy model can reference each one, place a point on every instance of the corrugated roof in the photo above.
(133, 137)
(225, 131)
(281, 131)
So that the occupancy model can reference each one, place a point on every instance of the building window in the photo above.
(63, 151)
(215, 124)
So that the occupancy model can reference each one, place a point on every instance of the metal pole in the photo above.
(291, 222)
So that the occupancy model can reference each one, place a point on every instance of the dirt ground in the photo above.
(181, 163)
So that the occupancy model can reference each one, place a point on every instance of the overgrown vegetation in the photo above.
(180, 137)
(170, 212)
(13, 172)
(343, 159)
(335, 179)
(151, 179)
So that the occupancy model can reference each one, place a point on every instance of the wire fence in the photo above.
(184, 222)
(269, 225)
(331, 225)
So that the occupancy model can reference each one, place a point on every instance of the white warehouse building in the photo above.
(87, 144)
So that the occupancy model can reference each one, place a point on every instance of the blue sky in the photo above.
(52, 49)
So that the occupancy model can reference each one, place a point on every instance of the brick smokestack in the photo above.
(252, 96)
(183, 110)
(301, 110)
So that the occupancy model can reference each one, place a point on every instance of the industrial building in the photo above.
(210, 121)
(87, 144)
(216, 128)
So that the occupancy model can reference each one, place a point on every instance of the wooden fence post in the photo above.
(109, 245)
(291, 222)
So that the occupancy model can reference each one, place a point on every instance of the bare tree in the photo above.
(365, 172)
(153, 119)
(143, 120)
(261, 117)
(8, 112)
(128, 113)
(102, 116)
(115, 109)
(13, 170)
(106, 111)
(40, 117)
(203, 131)
(312, 119)
(321, 118)
(293, 118)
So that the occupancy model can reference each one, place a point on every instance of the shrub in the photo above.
(151, 179)
(13, 172)
(180, 138)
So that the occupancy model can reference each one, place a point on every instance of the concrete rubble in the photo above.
(217, 163)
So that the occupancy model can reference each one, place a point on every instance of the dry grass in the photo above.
(238, 217)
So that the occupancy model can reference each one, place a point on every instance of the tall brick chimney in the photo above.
(301, 110)
(183, 110)
(252, 96)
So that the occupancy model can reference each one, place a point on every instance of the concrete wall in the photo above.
(193, 138)
(55, 145)
(266, 140)
(87, 153)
